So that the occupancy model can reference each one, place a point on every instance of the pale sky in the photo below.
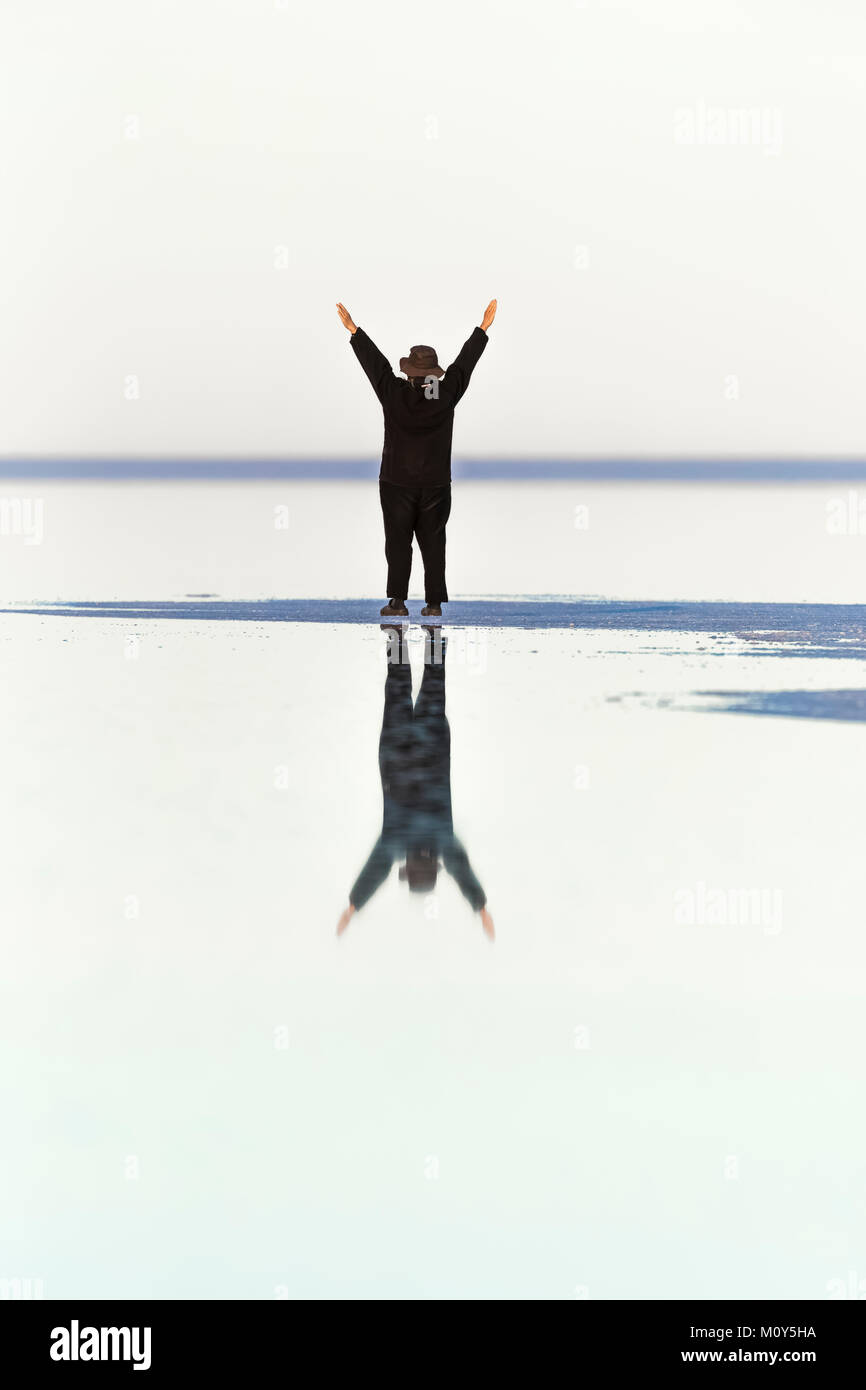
(666, 196)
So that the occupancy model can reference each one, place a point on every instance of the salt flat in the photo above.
(604, 1099)
(648, 1086)
(746, 543)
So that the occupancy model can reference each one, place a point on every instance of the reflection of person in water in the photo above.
(415, 763)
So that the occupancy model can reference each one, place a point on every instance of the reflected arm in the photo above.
(456, 861)
(372, 876)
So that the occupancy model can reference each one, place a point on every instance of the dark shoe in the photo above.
(394, 608)
(432, 610)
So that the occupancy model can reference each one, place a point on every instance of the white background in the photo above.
(162, 160)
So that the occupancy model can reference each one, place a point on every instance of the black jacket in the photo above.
(417, 449)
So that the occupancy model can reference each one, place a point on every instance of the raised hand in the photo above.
(345, 919)
(489, 315)
(346, 318)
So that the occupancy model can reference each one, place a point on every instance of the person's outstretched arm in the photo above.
(374, 362)
(461, 369)
(456, 861)
(371, 877)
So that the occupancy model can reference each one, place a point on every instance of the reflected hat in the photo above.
(421, 361)
(420, 871)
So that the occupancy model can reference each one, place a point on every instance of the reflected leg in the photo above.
(433, 738)
(396, 738)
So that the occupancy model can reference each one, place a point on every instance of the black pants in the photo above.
(421, 512)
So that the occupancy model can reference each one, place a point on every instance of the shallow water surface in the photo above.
(647, 1084)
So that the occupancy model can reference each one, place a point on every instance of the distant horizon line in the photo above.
(261, 468)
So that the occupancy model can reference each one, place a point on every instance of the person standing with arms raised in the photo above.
(415, 476)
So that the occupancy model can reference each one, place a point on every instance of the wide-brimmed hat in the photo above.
(422, 361)
(420, 871)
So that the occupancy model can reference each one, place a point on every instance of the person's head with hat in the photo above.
(421, 363)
